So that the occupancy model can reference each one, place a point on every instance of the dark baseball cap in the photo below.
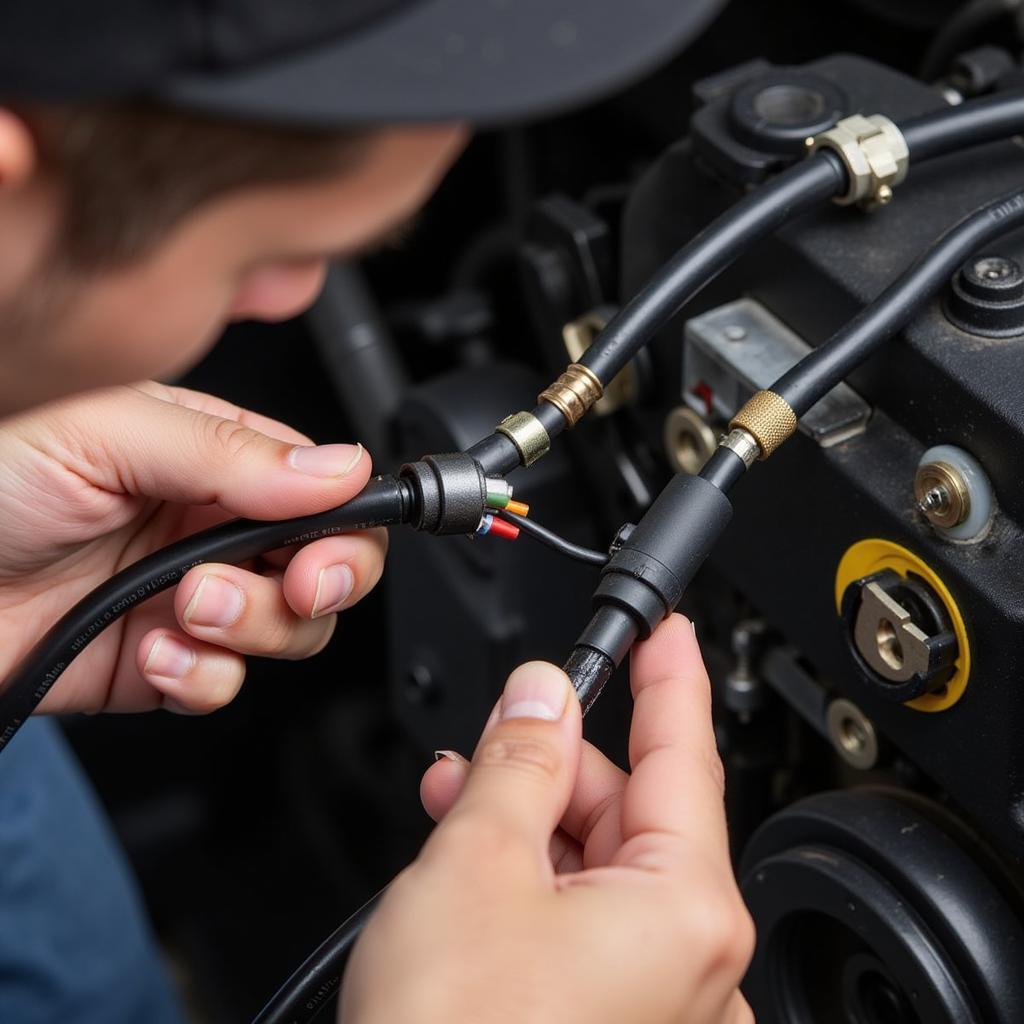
(338, 62)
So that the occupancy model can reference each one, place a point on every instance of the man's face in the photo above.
(257, 253)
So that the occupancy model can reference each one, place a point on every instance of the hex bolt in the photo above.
(942, 494)
(935, 500)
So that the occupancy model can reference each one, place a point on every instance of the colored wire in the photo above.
(553, 540)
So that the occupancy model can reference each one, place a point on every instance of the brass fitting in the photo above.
(768, 418)
(573, 393)
(742, 443)
(527, 433)
(874, 153)
(942, 494)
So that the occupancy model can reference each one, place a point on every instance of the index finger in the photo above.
(676, 788)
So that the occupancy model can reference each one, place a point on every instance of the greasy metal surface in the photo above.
(740, 348)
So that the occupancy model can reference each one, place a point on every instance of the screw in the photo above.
(941, 494)
(935, 500)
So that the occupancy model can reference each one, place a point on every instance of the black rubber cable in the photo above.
(972, 123)
(823, 368)
(382, 502)
(553, 540)
(310, 989)
(800, 188)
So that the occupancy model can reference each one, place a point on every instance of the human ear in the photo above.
(17, 150)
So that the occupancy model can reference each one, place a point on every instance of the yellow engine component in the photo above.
(867, 557)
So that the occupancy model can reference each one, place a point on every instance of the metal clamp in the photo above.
(874, 153)
(527, 433)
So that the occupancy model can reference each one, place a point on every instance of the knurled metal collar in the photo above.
(874, 153)
(768, 418)
(573, 393)
(527, 433)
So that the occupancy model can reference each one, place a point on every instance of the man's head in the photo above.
(133, 233)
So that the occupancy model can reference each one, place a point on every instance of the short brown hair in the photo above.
(131, 171)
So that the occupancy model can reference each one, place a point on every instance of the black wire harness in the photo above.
(626, 610)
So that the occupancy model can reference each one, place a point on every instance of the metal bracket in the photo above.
(874, 153)
(740, 348)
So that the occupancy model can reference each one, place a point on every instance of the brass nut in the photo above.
(527, 433)
(874, 153)
(689, 441)
(573, 393)
(942, 494)
(768, 418)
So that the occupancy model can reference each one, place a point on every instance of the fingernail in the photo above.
(168, 658)
(333, 586)
(326, 459)
(693, 626)
(535, 691)
(450, 755)
(217, 602)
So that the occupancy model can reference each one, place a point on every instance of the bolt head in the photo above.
(941, 494)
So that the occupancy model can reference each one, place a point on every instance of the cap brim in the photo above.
(483, 61)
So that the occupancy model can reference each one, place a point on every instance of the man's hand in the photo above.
(93, 483)
(557, 888)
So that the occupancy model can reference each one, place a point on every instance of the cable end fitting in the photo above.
(528, 435)
(574, 393)
(449, 493)
(874, 153)
(768, 419)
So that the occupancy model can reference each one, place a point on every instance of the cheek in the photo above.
(279, 291)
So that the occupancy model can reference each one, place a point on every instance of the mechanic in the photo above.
(166, 168)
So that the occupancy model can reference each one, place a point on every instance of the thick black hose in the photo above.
(972, 123)
(382, 502)
(819, 371)
(723, 469)
(311, 988)
(800, 188)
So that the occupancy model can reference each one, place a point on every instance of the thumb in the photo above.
(138, 443)
(524, 768)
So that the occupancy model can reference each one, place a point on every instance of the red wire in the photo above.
(503, 529)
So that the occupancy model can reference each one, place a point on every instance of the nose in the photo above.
(278, 291)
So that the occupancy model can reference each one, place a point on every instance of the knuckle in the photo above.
(529, 756)
(234, 439)
(725, 933)
(277, 638)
